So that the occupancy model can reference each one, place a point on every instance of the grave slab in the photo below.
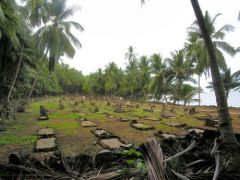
(88, 124)
(141, 126)
(46, 144)
(46, 132)
(112, 143)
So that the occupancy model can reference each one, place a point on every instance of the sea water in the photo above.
(208, 98)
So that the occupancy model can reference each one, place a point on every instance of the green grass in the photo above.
(65, 125)
(12, 139)
(48, 104)
(62, 115)
(166, 128)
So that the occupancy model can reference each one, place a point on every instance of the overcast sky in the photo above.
(159, 26)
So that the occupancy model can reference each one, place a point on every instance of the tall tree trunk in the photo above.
(225, 124)
(199, 91)
(32, 88)
(15, 76)
(35, 78)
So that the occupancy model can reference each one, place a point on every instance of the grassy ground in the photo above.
(72, 138)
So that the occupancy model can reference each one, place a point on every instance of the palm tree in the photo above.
(186, 93)
(132, 76)
(130, 55)
(9, 21)
(56, 37)
(144, 69)
(181, 70)
(230, 81)
(158, 84)
(196, 50)
(34, 12)
(225, 124)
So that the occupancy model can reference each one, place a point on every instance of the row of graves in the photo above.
(47, 152)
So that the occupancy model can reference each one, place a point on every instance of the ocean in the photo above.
(208, 98)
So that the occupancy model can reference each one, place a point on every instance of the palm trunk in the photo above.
(199, 91)
(16, 75)
(32, 88)
(35, 78)
(225, 124)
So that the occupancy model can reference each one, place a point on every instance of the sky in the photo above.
(159, 26)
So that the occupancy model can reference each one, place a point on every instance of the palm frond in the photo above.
(154, 160)
(225, 47)
(69, 12)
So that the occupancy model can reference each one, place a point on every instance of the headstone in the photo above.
(46, 144)
(141, 126)
(88, 124)
(152, 119)
(43, 111)
(104, 157)
(111, 143)
(178, 125)
(148, 110)
(46, 132)
(192, 111)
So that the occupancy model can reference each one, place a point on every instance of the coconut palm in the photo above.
(132, 76)
(158, 85)
(130, 55)
(56, 37)
(37, 12)
(230, 81)
(33, 14)
(186, 93)
(225, 124)
(9, 21)
(144, 71)
(181, 70)
(196, 50)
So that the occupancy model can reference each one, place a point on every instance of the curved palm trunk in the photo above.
(225, 124)
(35, 78)
(32, 88)
(199, 91)
(15, 76)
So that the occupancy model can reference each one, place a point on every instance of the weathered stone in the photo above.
(141, 126)
(134, 121)
(88, 124)
(102, 133)
(104, 157)
(166, 136)
(18, 157)
(46, 132)
(152, 119)
(197, 131)
(43, 111)
(43, 118)
(166, 115)
(192, 111)
(148, 110)
(211, 123)
(124, 119)
(46, 144)
(111, 143)
(178, 125)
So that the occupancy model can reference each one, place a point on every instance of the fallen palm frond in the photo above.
(189, 148)
(154, 160)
